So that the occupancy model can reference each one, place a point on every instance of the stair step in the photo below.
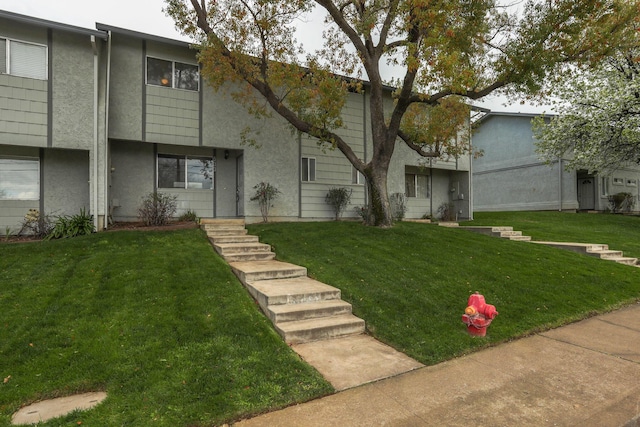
(317, 329)
(249, 256)
(520, 238)
(223, 227)
(509, 233)
(225, 233)
(605, 254)
(310, 310)
(248, 271)
(293, 290)
(234, 248)
(234, 238)
(222, 221)
(624, 260)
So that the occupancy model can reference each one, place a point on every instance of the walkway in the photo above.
(584, 374)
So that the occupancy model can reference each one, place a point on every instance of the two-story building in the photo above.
(98, 119)
(511, 177)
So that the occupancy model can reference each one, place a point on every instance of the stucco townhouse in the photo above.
(511, 177)
(98, 119)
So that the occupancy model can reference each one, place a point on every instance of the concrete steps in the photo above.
(596, 250)
(301, 309)
(502, 232)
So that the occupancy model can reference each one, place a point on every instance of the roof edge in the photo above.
(30, 20)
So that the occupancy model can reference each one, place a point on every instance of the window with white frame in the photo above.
(356, 176)
(604, 186)
(185, 172)
(308, 169)
(19, 179)
(416, 185)
(23, 59)
(177, 75)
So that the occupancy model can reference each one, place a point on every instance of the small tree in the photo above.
(157, 208)
(338, 199)
(265, 194)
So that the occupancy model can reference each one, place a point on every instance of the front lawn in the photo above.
(411, 282)
(158, 321)
(155, 319)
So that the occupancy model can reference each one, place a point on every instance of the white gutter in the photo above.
(95, 132)
(107, 158)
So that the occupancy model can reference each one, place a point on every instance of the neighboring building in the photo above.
(511, 177)
(97, 119)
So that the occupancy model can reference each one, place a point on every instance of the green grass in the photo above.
(620, 232)
(155, 319)
(158, 321)
(411, 282)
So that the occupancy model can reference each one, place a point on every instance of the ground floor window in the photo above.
(19, 179)
(416, 185)
(604, 186)
(356, 176)
(185, 172)
(308, 169)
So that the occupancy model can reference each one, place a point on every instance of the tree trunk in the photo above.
(379, 207)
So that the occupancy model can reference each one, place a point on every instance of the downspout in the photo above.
(107, 157)
(470, 195)
(95, 132)
(560, 183)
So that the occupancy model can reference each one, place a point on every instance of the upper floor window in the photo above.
(23, 59)
(308, 169)
(185, 172)
(19, 179)
(172, 74)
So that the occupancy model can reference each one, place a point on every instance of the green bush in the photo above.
(338, 199)
(446, 212)
(36, 224)
(72, 226)
(264, 195)
(157, 208)
(189, 215)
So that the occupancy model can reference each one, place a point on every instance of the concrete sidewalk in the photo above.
(584, 374)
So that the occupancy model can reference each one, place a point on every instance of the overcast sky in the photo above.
(145, 16)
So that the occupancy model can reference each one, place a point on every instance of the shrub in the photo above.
(72, 226)
(398, 206)
(189, 215)
(264, 195)
(363, 212)
(621, 202)
(446, 212)
(338, 199)
(157, 208)
(36, 224)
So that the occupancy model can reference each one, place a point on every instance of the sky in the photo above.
(146, 16)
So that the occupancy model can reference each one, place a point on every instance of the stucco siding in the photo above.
(126, 84)
(133, 170)
(73, 89)
(66, 181)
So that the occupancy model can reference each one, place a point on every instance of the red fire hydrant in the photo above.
(478, 315)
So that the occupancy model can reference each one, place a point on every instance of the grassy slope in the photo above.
(620, 232)
(154, 318)
(411, 282)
